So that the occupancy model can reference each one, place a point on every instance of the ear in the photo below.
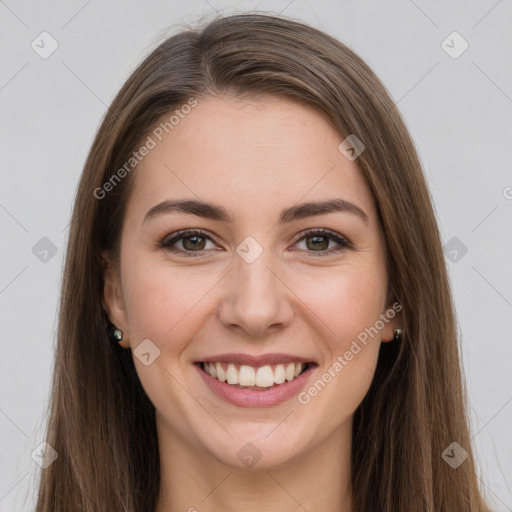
(393, 319)
(113, 299)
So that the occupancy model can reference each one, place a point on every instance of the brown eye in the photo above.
(318, 240)
(192, 241)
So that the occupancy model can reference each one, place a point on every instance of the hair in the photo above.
(100, 420)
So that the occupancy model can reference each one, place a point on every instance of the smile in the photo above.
(256, 378)
(250, 381)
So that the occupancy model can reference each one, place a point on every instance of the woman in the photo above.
(255, 311)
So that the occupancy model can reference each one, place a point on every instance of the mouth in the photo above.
(265, 380)
(252, 377)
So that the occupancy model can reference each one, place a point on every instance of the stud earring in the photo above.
(115, 335)
(398, 335)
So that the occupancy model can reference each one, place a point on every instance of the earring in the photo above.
(115, 334)
(398, 335)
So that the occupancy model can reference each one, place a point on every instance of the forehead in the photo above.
(254, 156)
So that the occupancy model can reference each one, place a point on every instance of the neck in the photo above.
(194, 481)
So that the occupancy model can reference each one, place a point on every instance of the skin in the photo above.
(255, 158)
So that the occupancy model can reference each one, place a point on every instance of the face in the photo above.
(251, 277)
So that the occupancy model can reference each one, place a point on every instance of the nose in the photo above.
(256, 298)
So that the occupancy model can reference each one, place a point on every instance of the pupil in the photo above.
(320, 245)
(192, 246)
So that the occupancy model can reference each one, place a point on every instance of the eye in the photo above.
(318, 240)
(194, 242)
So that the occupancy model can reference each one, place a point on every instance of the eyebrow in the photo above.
(219, 213)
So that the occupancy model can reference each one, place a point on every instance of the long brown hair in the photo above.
(102, 423)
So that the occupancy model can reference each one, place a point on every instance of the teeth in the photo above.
(247, 376)
(262, 377)
(290, 372)
(221, 374)
(232, 374)
(279, 374)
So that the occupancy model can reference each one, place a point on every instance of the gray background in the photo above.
(457, 109)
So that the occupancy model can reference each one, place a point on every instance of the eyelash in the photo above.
(167, 242)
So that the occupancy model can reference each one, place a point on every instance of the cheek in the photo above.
(162, 300)
(347, 305)
(346, 300)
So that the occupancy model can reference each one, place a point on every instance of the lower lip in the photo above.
(250, 398)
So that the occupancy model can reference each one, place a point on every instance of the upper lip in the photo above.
(256, 361)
